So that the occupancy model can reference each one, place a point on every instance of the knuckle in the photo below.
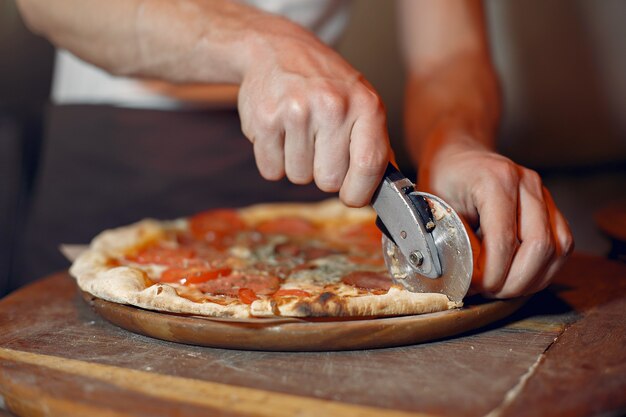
(267, 123)
(353, 200)
(369, 100)
(541, 287)
(509, 242)
(492, 285)
(328, 183)
(506, 173)
(568, 245)
(333, 102)
(546, 280)
(512, 285)
(264, 145)
(534, 179)
(299, 178)
(506, 245)
(509, 293)
(296, 110)
(271, 173)
(371, 163)
(543, 247)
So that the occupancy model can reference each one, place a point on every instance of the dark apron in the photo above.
(104, 167)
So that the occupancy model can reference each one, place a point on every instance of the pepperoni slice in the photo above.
(178, 257)
(368, 280)
(288, 249)
(230, 285)
(291, 250)
(188, 276)
(291, 293)
(312, 253)
(290, 226)
(215, 225)
(365, 235)
(246, 295)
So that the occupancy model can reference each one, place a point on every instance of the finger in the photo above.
(299, 152)
(537, 245)
(564, 242)
(369, 154)
(332, 158)
(269, 156)
(497, 205)
(298, 141)
(298, 156)
(477, 273)
(332, 139)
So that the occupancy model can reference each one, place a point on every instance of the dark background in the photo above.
(25, 75)
(563, 69)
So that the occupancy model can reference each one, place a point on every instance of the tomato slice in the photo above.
(290, 226)
(162, 256)
(188, 276)
(291, 293)
(214, 225)
(246, 295)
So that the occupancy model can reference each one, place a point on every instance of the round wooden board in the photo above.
(305, 335)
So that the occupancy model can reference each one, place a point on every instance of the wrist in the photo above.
(451, 135)
(275, 41)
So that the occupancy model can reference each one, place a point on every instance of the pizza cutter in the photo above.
(425, 244)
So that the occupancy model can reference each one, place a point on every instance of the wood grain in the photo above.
(227, 399)
(470, 375)
(584, 371)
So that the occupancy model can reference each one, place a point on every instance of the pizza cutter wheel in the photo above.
(425, 244)
(453, 249)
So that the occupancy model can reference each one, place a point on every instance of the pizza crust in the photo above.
(331, 210)
(128, 285)
(397, 301)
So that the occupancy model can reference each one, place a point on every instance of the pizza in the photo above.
(269, 260)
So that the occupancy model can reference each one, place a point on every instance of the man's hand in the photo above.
(311, 116)
(452, 111)
(524, 238)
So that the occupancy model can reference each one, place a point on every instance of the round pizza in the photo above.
(270, 260)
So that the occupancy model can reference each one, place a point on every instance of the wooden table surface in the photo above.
(562, 354)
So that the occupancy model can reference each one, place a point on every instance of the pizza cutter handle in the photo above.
(403, 220)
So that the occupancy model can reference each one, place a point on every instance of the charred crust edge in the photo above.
(324, 305)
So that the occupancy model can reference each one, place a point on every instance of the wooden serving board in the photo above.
(561, 354)
(305, 335)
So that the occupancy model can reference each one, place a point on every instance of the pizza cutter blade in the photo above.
(425, 244)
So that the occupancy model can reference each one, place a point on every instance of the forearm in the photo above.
(179, 41)
(450, 80)
(457, 101)
(452, 110)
